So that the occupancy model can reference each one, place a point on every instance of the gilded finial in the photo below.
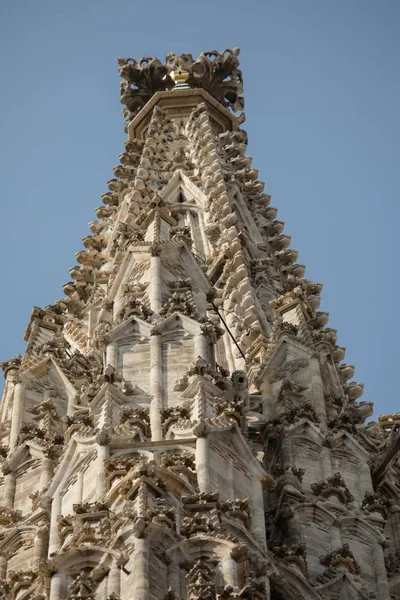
(179, 76)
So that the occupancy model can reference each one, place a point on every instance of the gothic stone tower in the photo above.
(180, 426)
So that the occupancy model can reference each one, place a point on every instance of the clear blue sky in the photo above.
(322, 103)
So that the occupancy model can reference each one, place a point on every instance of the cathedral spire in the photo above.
(181, 424)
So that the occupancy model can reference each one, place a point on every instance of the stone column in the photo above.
(287, 454)
(155, 280)
(317, 391)
(380, 573)
(57, 587)
(79, 488)
(201, 303)
(11, 379)
(230, 489)
(90, 324)
(229, 571)
(3, 567)
(46, 473)
(17, 413)
(258, 520)
(336, 540)
(365, 482)
(54, 541)
(228, 352)
(39, 546)
(72, 401)
(9, 487)
(200, 346)
(293, 527)
(326, 462)
(174, 577)
(141, 582)
(114, 581)
(204, 238)
(202, 461)
(155, 386)
(103, 454)
(112, 355)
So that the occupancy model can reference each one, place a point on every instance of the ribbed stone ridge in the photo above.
(182, 425)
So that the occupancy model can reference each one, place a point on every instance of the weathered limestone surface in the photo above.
(182, 424)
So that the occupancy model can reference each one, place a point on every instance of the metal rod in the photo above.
(228, 330)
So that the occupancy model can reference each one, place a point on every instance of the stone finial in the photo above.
(333, 486)
(13, 364)
(217, 73)
(341, 558)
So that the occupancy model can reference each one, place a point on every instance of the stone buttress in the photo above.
(181, 425)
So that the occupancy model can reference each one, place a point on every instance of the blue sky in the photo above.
(322, 92)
